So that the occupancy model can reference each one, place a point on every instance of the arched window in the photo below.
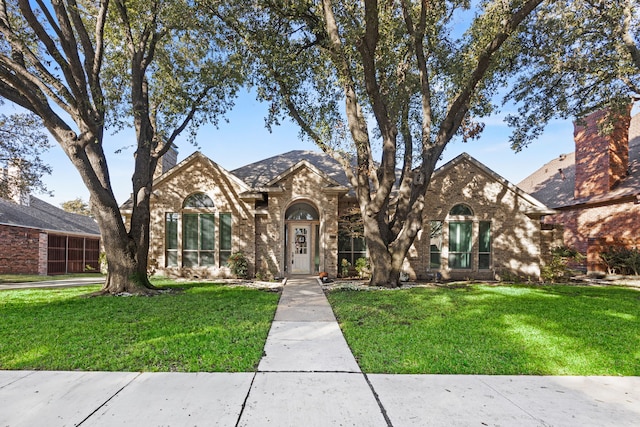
(302, 211)
(198, 200)
(461, 210)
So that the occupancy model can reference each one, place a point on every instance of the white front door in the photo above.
(300, 249)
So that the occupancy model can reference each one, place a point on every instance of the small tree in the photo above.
(76, 205)
(22, 143)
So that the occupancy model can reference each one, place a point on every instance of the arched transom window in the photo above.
(461, 210)
(302, 211)
(198, 201)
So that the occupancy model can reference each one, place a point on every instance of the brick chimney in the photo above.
(15, 188)
(166, 162)
(601, 160)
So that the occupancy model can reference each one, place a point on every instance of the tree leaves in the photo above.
(579, 57)
(22, 144)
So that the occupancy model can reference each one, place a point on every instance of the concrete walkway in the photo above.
(308, 377)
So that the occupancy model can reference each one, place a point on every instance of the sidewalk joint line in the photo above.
(540, 420)
(246, 398)
(383, 410)
(109, 399)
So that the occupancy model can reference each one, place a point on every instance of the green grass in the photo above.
(507, 330)
(24, 278)
(208, 327)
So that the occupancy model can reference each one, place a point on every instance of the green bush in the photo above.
(238, 264)
(621, 260)
(363, 268)
(557, 268)
(345, 266)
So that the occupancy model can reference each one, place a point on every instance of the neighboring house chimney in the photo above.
(14, 188)
(601, 160)
(166, 162)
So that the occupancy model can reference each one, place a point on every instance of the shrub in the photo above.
(621, 260)
(558, 266)
(363, 268)
(345, 267)
(238, 264)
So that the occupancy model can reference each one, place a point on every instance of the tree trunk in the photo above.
(381, 267)
(124, 274)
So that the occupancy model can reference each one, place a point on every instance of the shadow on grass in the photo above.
(556, 330)
(205, 327)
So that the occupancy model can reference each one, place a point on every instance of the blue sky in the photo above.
(244, 139)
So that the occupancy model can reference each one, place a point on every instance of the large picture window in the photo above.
(469, 242)
(460, 244)
(351, 241)
(196, 246)
(198, 240)
(351, 248)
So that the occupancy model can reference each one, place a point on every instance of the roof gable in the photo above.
(182, 166)
(537, 207)
(300, 165)
(261, 173)
(193, 158)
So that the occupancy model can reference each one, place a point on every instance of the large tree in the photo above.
(80, 65)
(580, 56)
(22, 145)
(381, 87)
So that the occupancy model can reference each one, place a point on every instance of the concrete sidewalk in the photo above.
(308, 377)
(63, 283)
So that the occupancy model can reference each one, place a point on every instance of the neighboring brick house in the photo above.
(286, 214)
(39, 238)
(595, 190)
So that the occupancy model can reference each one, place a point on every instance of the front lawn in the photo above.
(206, 328)
(506, 330)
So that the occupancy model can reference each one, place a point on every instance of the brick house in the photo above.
(287, 215)
(39, 238)
(595, 190)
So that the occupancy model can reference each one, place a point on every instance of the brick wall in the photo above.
(598, 223)
(21, 251)
(601, 160)
(200, 175)
(598, 245)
